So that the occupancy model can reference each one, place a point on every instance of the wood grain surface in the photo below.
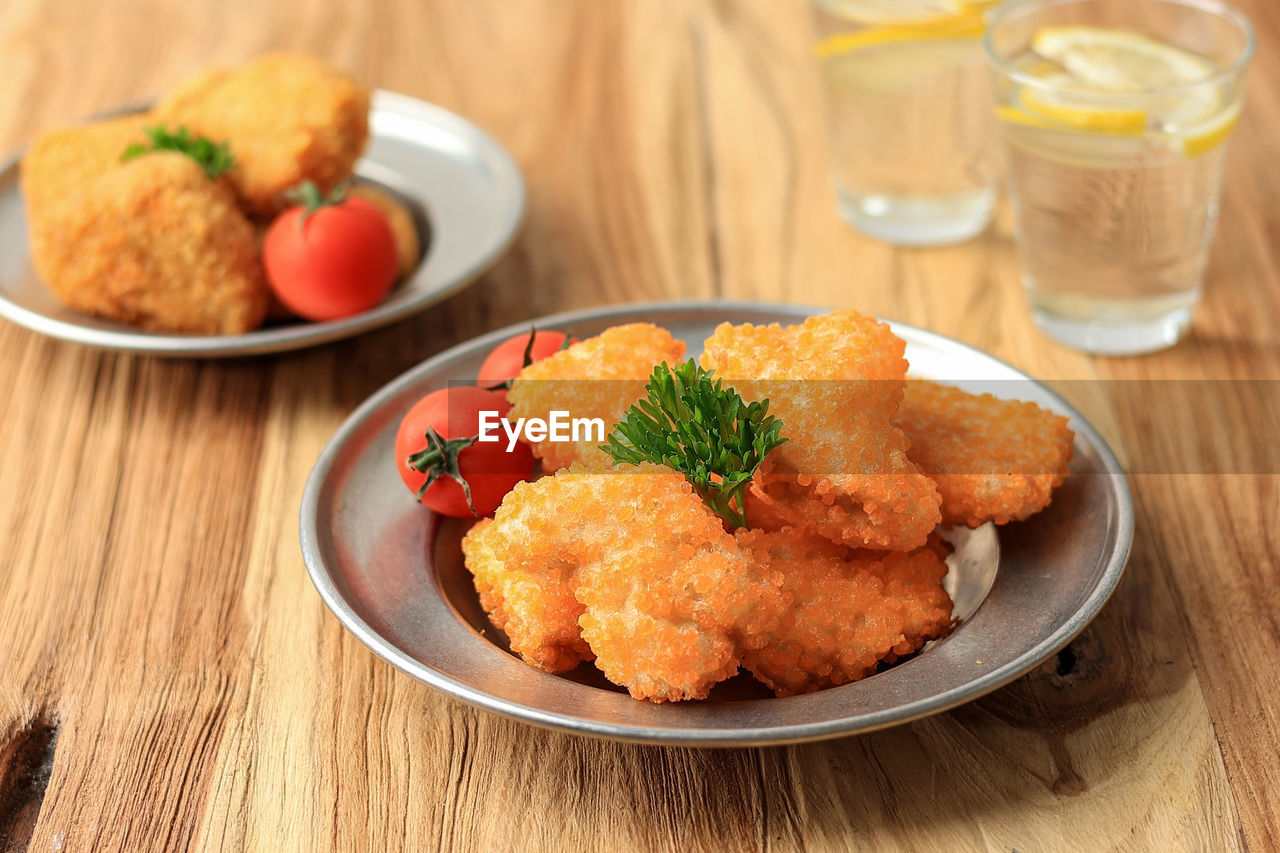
(170, 680)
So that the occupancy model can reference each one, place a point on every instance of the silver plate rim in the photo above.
(507, 179)
(321, 577)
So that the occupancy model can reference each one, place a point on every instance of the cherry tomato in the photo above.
(439, 435)
(330, 258)
(511, 356)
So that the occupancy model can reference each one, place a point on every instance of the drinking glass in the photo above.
(913, 141)
(1115, 116)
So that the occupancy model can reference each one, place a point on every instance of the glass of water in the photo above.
(1115, 115)
(914, 145)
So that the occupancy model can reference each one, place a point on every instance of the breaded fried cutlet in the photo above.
(835, 382)
(529, 599)
(287, 118)
(59, 164)
(600, 377)
(153, 243)
(992, 459)
(847, 610)
(403, 228)
(664, 598)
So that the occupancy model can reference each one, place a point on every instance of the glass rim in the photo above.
(1235, 68)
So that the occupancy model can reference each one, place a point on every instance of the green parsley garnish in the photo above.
(214, 157)
(693, 424)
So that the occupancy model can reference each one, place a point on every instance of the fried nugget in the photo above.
(154, 243)
(845, 611)
(762, 516)
(528, 596)
(664, 597)
(600, 377)
(60, 164)
(288, 118)
(403, 228)
(835, 382)
(992, 459)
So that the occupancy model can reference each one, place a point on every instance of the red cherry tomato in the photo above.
(330, 258)
(445, 425)
(508, 358)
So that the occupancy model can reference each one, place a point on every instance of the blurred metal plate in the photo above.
(392, 573)
(464, 187)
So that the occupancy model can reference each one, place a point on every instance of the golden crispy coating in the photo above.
(993, 459)
(287, 117)
(277, 311)
(668, 610)
(664, 597)
(622, 357)
(848, 610)
(763, 516)
(841, 345)
(154, 243)
(403, 228)
(60, 164)
(835, 383)
(529, 596)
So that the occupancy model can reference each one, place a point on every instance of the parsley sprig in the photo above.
(214, 157)
(692, 423)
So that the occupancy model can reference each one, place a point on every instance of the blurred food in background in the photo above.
(155, 219)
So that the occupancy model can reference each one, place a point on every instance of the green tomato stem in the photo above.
(440, 459)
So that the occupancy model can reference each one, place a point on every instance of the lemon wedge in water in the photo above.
(878, 12)
(1208, 135)
(1058, 102)
(1119, 61)
(1075, 64)
(948, 29)
(904, 21)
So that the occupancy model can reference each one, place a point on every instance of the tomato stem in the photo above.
(527, 360)
(308, 196)
(440, 459)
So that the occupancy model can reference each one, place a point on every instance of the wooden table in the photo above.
(169, 679)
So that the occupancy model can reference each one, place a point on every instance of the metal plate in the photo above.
(391, 572)
(464, 186)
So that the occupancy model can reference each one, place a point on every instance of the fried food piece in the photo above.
(763, 516)
(600, 377)
(288, 118)
(993, 459)
(153, 243)
(61, 163)
(528, 593)
(673, 599)
(664, 597)
(403, 228)
(835, 382)
(277, 311)
(848, 610)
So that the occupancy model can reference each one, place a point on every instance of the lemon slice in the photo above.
(969, 7)
(1058, 107)
(950, 29)
(1120, 61)
(1204, 137)
(881, 12)
(1077, 64)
